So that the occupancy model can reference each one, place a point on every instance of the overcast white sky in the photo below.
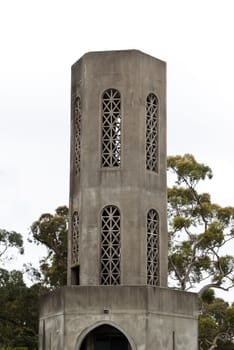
(40, 40)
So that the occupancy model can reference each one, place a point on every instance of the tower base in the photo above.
(118, 318)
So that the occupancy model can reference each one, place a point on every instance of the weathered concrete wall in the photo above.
(148, 316)
(132, 188)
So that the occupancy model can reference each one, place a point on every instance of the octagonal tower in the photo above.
(118, 170)
(117, 295)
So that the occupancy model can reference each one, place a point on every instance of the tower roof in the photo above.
(118, 52)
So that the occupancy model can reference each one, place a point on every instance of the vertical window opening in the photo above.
(152, 248)
(110, 246)
(111, 128)
(75, 239)
(75, 275)
(77, 134)
(152, 112)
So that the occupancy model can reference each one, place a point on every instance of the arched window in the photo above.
(77, 134)
(152, 112)
(111, 128)
(110, 245)
(152, 248)
(75, 239)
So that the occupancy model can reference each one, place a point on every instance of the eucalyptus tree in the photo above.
(51, 230)
(200, 231)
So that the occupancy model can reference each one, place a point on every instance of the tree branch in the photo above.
(214, 285)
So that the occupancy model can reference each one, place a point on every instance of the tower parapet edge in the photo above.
(118, 170)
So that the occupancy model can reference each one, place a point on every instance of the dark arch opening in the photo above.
(105, 337)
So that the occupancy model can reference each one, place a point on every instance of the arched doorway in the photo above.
(105, 337)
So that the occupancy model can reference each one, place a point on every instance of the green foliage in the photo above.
(207, 331)
(216, 322)
(51, 231)
(188, 170)
(198, 229)
(9, 240)
(19, 303)
(208, 296)
(19, 311)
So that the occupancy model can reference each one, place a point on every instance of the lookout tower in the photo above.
(117, 296)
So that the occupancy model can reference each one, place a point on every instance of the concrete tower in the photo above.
(117, 296)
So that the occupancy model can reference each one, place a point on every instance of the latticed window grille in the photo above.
(152, 116)
(77, 134)
(110, 246)
(152, 248)
(111, 128)
(75, 239)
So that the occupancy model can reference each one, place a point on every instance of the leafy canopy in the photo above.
(216, 322)
(18, 311)
(199, 230)
(10, 240)
(51, 231)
